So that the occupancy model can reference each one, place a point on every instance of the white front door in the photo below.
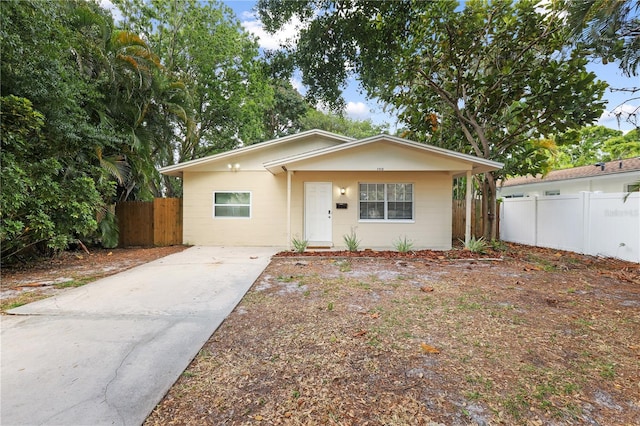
(317, 212)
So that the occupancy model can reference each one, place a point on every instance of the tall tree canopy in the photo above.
(610, 29)
(204, 45)
(592, 144)
(80, 112)
(488, 78)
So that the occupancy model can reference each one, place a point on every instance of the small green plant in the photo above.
(73, 283)
(330, 307)
(299, 245)
(351, 241)
(476, 245)
(403, 245)
(498, 245)
(344, 265)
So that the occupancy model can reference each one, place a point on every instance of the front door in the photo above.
(317, 212)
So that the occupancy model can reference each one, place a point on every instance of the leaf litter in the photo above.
(537, 337)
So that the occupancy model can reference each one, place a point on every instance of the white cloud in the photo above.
(115, 12)
(297, 84)
(619, 116)
(267, 40)
(357, 110)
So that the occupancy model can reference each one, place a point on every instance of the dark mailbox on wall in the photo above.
(341, 205)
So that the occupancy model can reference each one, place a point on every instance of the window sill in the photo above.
(386, 221)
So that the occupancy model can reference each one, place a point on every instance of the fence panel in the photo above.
(591, 223)
(149, 223)
(167, 221)
(615, 226)
(459, 218)
(135, 222)
(560, 222)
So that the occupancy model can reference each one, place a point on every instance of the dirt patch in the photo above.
(538, 337)
(25, 283)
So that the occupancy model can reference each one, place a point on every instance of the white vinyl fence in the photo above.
(599, 224)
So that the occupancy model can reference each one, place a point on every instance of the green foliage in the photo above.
(580, 147)
(351, 241)
(315, 119)
(43, 205)
(109, 232)
(299, 244)
(403, 245)
(589, 145)
(478, 245)
(205, 44)
(82, 121)
(609, 28)
(488, 78)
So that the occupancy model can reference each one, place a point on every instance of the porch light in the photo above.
(343, 190)
(233, 167)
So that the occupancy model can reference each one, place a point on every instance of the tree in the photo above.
(622, 146)
(486, 78)
(330, 122)
(203, 45)
(43, 205)
(80, 119)
(610, 30)
(582, 146)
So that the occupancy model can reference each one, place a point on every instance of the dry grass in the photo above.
(539, 338)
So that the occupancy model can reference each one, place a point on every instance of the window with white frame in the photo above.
(386, 201)
(232, 204)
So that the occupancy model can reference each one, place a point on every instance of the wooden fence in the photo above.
(150, 223)
(459, 215)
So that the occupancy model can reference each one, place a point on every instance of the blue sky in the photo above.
(358, 107)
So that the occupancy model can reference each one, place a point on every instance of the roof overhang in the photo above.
(179, 169)
(306, 161)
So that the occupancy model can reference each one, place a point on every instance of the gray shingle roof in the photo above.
(601, 169)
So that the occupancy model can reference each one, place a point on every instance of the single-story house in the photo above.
(319, 186)
(611, 176)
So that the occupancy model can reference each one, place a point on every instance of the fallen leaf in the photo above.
(110, 253)
(258, 417)
(426, 289)
(375, 315)
(360, 333)
(428, 349)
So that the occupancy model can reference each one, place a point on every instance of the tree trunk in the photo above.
(489, 203)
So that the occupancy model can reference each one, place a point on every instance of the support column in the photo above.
(468, 200)
(289, 174)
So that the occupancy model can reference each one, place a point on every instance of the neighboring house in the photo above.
(319, 186)
(612, 176)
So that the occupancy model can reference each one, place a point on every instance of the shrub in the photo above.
(403, 245)
(476, 245)
(299, 245)
(351, 241)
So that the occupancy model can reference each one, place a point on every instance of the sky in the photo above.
(360, 108)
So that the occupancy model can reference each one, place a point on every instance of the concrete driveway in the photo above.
(107, 352)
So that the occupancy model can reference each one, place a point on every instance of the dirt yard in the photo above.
(522, 336)
(530, 336)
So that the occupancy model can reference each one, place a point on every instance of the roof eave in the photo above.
(177, 169)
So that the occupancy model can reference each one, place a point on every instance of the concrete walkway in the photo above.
(106, 353)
